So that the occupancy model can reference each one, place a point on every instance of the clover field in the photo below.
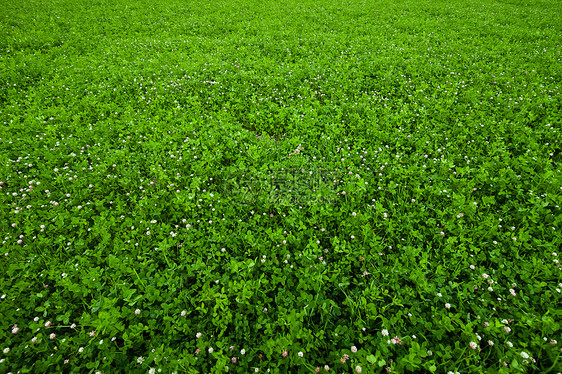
(280, 186)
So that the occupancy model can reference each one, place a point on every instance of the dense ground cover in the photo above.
(280, 186)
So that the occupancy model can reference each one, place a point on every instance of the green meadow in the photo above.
(280, 186)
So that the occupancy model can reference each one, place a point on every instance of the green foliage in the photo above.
(206, 186)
